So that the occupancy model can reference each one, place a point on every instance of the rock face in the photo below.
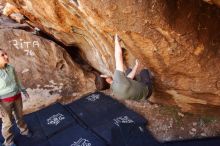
(39, 61)
(42, 66)
(179, 40)
(216, 2)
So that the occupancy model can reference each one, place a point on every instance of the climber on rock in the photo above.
(123, 84)
(10, 101)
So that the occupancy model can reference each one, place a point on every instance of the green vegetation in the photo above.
(173, 112)
(206, 119)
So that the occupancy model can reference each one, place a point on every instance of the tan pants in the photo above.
(8, 109)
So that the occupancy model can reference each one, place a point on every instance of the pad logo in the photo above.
(93, 97)
(81, 142)
(122, 119)
(55, 119)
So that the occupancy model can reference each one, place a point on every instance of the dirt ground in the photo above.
(169, 123)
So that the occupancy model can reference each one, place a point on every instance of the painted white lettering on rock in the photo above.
(29, 52)
(21, 44)
(36, 44)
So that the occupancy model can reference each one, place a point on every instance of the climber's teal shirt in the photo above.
(9, 83)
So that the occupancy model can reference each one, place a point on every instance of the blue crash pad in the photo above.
(93, 107)
(54, 126)
(54, 118)
(100, 113)
(125, 116)
(76, 136)
(135, 135)
(38, 139)
(132, 135)
(214, 141)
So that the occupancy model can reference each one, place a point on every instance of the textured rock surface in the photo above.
(216, 2)
(179, 40)
(45, 68)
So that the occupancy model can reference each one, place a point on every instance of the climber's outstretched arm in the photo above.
(118, 55)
